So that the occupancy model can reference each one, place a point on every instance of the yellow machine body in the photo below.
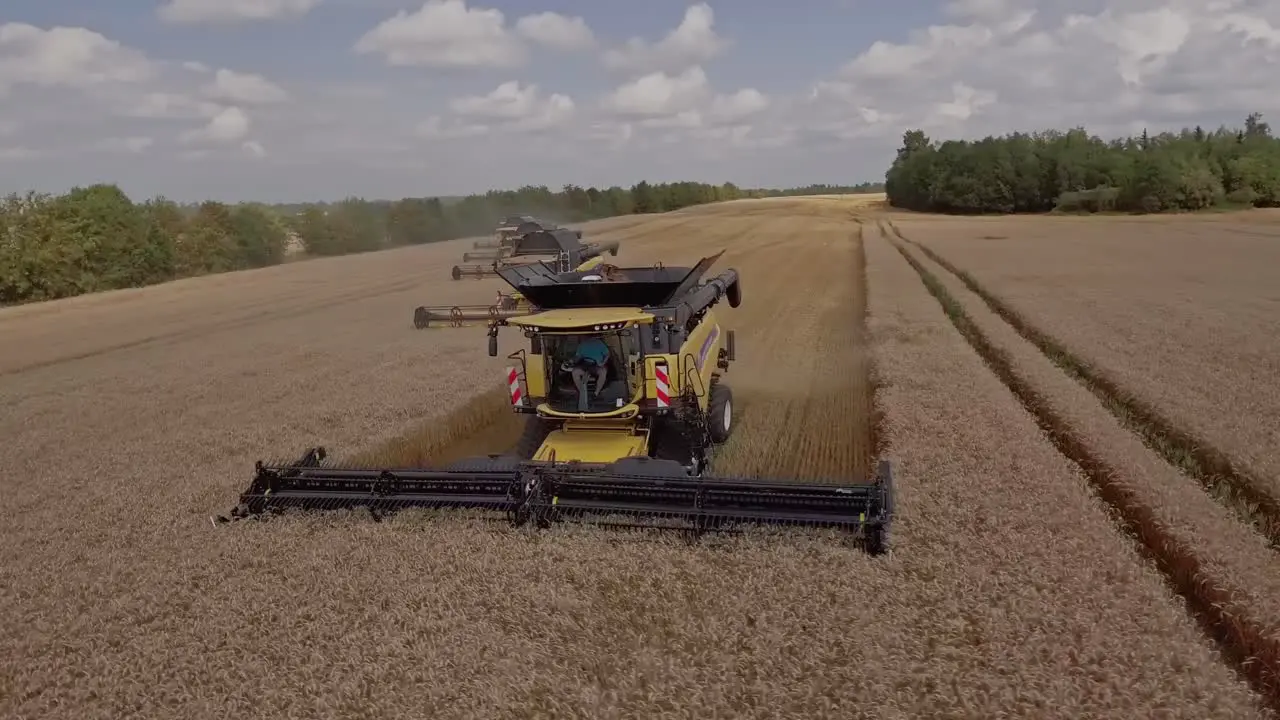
(621, 431)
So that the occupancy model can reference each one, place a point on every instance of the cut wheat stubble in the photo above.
(1209, 365)
(984, 495)
(1242, 492)
(1228, 569)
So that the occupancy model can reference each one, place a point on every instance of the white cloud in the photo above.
(508, 100)
(1010, 64)
(68, 57)
(244, 88)
(659, 94)
(557, 31)
(687, 119)
(230, 125)
(436, 128)
(125, 145)
(692, 42)
(444, 33)
(615, 134)
(517, 107)
(554, 112)
(660, 100)
(210, 12)
(739, 105)
(16, 153)
(988, 66)
(981, 9)
(170, 105)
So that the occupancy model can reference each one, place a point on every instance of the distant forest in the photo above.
(96, 238)
(1073, 171)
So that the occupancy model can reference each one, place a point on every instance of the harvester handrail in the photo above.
(689, 364)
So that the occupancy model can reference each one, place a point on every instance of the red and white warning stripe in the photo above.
(663, 381)
(513, 384)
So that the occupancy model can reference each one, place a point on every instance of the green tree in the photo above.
(259, 236)
(1190, 170)
(96, 238)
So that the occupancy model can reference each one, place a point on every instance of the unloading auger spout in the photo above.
(544, 493)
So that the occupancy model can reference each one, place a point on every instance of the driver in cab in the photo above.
(590, 359)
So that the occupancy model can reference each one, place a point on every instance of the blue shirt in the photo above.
(594, 350)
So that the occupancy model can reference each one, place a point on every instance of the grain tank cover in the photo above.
(546, 242)
(625, 287)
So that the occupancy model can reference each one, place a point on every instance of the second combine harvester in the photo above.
(562, 247)
(633, 441)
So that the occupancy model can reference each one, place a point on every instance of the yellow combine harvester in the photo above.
(562, 247)
(622, 385)
(511, 227)
(506, 237)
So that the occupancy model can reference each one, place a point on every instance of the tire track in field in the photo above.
(1246, 496)
(1244, 644)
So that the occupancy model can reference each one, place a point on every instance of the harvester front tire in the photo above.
(457, 273)
(720, 413)
(421, 318)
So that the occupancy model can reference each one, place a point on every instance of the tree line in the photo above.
(1073, 171)
(96, 238)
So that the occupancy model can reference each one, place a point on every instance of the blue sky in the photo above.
(308, 99)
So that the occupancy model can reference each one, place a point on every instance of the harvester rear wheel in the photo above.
(720, 413)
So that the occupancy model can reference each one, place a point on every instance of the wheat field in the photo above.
(1014, 588)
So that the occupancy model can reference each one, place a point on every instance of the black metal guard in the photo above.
(548, 492)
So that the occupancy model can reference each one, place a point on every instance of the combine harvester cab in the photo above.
(626, 443)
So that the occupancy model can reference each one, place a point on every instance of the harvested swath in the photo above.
(800, 382)
(1225, 569)
(1093, 285)
(120, 601)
